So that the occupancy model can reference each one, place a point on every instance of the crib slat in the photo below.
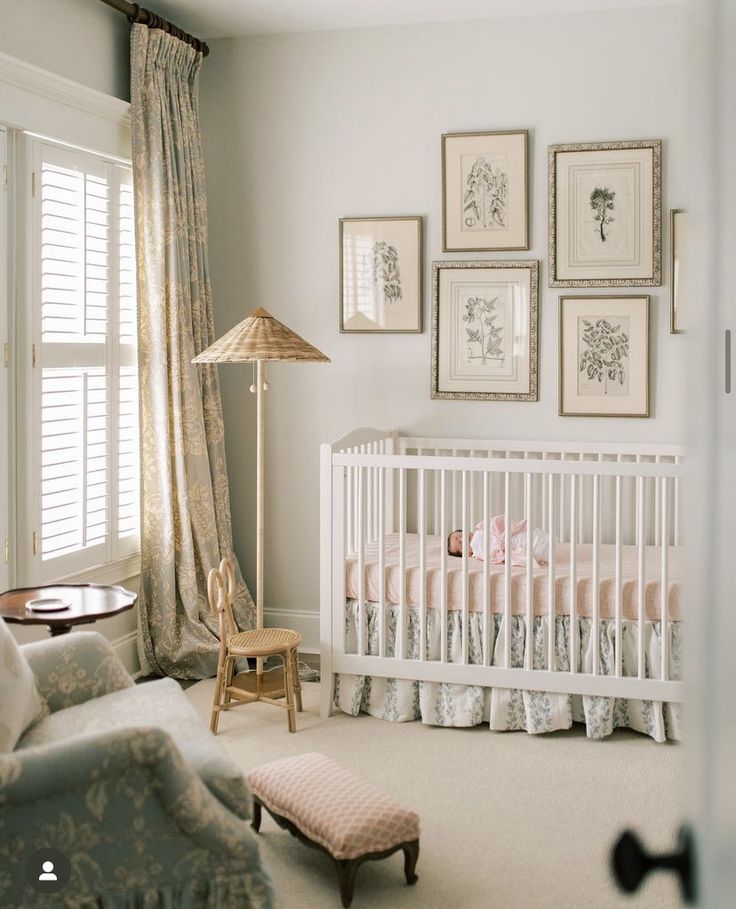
(528, 493)
(657, 509)
(676, 505)
(400, 647)
(581, 504)
(464, 526)
(350, 510)
(370, 516)
(507, 570)
(640, 575)
(618, 589)
(573, 573)
(596, 574)
(436, 528)
(422, 520)
(454, 479)
(552, 612)
(443, 564)
(382, 606)
(360, 511)
(487, 617)
(562, 508)
(664, 608)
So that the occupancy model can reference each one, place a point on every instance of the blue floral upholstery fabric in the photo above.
(505, 709)
(128, 783)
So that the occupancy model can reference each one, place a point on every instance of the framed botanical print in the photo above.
(485, 191)
(605, 214)
(604, 356)
(381, 274)
(484, 330)
(678, 280)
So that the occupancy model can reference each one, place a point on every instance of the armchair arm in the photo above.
(76, 667)
(148, 821)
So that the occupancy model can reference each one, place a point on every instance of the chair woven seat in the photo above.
(263, 641)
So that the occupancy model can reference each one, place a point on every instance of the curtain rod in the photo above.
(137, 14)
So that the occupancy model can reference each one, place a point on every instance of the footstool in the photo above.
(324, 806)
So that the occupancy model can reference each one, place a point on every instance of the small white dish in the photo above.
(47, 604)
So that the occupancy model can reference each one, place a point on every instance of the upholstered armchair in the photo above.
(129, 784)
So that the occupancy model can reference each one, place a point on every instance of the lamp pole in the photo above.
(260, 489)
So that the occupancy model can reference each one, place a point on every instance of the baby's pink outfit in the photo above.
(497, 530)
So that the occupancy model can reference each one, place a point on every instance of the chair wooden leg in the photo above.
(229, 672)
(297, 680)
(217, 697)
(289, 690)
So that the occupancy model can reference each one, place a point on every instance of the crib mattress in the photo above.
(497, 584)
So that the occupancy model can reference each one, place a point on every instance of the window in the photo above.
(82, 473)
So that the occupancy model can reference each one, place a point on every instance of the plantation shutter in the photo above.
(87, 464)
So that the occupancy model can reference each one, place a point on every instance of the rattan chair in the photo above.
(259, 644)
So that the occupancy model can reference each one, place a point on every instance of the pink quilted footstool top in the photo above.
(331, 806)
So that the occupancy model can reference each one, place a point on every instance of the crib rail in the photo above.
(378, 485)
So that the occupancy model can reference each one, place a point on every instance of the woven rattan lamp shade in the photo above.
(260, 337)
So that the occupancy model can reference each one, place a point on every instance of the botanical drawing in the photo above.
(602, 203)
(485, 198)
(483, 334)
(604, 356)
(386, 275)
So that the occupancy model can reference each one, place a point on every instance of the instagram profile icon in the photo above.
(48, 870)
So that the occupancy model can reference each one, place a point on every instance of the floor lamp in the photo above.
(260, 339)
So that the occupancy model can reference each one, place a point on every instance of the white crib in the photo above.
(612, 512)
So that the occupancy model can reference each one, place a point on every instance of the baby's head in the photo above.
(455, 543)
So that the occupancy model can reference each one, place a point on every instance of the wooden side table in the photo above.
(87, 603)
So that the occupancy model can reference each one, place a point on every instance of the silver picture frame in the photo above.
(584, 212)
(485, 318)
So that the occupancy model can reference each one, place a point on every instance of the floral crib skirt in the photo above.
(445, 704)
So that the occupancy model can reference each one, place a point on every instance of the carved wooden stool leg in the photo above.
(346, 871)
(217, 697)
(257, 814)
(411, 856)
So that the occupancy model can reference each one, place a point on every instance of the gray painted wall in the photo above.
(303, 129)
(84, 40)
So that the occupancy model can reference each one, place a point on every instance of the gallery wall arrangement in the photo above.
(604, 231)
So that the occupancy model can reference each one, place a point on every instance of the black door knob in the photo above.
(631, 862)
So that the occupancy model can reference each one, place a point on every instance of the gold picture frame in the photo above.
(677, 215)
(485, 191)
(381, 274)
(604, 357)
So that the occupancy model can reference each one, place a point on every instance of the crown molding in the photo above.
(31, 78)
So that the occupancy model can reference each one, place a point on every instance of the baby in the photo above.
(475, 543)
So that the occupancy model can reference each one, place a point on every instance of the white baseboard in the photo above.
(301, 620)
(126, 648)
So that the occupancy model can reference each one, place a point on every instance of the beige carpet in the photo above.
(509, 820)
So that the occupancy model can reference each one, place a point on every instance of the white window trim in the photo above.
(91, 121)
(29, 380)
(6, 413)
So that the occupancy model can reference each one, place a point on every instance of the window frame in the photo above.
(111, 561)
